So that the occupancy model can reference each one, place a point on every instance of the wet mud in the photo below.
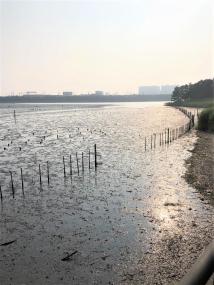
(135, 220)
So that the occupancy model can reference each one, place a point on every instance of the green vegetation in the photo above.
(199, 95)
(206, 120)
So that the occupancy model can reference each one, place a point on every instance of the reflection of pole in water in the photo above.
(14, 115)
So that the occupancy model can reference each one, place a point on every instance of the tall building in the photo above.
(167, 89)
(156, 90)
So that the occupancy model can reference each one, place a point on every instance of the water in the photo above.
(110, 215)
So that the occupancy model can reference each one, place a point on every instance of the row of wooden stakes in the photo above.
(65, 173)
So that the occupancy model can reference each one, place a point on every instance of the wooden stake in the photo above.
(168, 136)
(70, 166)
(77, 164)
(145, 144)
(12, 186)
(89, 159)
(82, 162)
(95, 156)
(40, 176)
(1, 194)
(48, 173)
(23, 193)
(64, 166)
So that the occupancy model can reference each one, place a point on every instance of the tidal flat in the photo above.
(133, 220)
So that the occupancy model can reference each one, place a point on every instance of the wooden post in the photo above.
(95, 156)
(193, 120)
(145, 144)
(160, 139)
(168, 136)
(154, 140)
(23, 193)
(77, 164)
(48, 173)
(1, 194)
(12, 186)
(40, 176)
(70, 166)
(89, 159)
(151, 141)
(63, 158)
(82, 162)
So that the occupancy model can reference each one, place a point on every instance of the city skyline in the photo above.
(115, 46)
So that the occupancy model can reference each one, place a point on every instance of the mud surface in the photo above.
(135, 220)
(200, 171)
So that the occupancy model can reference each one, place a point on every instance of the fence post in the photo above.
(1, 194)
(63, 158)
(77, 164)
(48, 173)
(70, 166)
(12, 186)
(22, 183)
(95, 156)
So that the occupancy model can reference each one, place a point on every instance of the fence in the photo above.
(45, 175)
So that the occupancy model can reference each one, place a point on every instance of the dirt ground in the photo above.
(200, 166)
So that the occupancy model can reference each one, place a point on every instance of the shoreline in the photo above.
(199, 173)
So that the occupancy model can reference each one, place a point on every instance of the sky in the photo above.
(110, 45)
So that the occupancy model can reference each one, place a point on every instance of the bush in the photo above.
(206, 120)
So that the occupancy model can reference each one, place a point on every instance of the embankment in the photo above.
(200, 166)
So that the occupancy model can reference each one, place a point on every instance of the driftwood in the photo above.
(68, 257)
(7, 243)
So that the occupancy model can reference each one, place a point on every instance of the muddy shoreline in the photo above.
(200, 171)
(133, 221)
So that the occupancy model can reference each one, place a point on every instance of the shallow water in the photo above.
(110, 215)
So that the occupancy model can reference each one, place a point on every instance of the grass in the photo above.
(206, 120)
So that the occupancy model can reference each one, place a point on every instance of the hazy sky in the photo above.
(109, 45)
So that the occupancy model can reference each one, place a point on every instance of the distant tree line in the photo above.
(203, 89)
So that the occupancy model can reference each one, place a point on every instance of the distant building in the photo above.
(67, 93)
(156, 90)
(149, 90)
(30, 93)
(99, 93)
(167, 89)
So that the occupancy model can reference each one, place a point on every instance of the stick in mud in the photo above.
(89, 159)
(95, 156)
(70, 166)
(23, 193)
(1, 196)
(40, 176)
(151, 141)
(77, 164)
(155, 141)
(12, 186)
(63, 158)
(145, 144)
(82, 162)
(168, 136)
(48, 173)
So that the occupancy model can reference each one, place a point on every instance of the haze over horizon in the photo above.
(114, 46)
